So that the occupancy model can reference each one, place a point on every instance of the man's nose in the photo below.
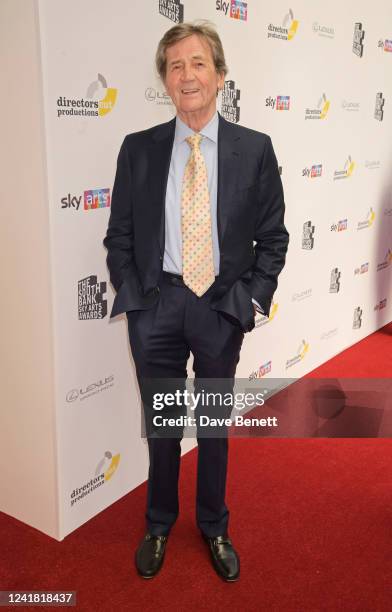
(187, 73)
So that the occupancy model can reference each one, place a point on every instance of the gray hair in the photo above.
(202, 28)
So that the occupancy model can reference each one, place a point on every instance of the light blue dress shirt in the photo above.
(172, 260)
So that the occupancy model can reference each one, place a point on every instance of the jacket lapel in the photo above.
(228, 172)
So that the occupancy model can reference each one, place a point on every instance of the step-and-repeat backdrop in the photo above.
(316, 77)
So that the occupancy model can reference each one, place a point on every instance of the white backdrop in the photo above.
(293, 74)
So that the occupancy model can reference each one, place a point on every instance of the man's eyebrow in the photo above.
(178, 61)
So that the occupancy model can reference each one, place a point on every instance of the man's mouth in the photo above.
(187, 92)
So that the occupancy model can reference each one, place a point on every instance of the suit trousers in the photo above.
(161, 339)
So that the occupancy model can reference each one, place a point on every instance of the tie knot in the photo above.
(194, 140)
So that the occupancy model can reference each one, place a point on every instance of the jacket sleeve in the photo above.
(119, 237)
(270, 235)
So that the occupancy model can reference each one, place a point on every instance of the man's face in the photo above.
(191, 79)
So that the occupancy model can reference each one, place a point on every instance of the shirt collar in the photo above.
(210, 130)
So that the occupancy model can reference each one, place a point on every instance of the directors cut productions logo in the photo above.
(368, 222)
(340, 226)
(230, 97)
(386, 45)
(314, 171)
(387, 261)
(299, 356)
(105, 469)
(280, 103)
(359, 35)
(357, 320)
(347, 170)
(91, 302)
(321, 111)
(238, 9)
(261, 319)
(334, 285)
(261, 371)
(172, 9)
(308, 236)
(379, 107)
(99, 101)
(92, 199)
(287, 30)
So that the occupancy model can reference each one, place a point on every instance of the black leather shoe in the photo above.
(150, 554)
(224, 558)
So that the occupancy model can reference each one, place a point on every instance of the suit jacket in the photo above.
(250, 217)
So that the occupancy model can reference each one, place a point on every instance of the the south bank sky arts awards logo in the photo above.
(308, 236)
(379, 107)
(368, 221)
(104, 471)
(235, 9)
(358, 38)
(92, 200)
(172, 9)
(287, 30)
(299, 355)
(334, 282)
(357, 318)
(346, 171)
(91, 302)
(320, 111)
(98, 101)
(230, 98)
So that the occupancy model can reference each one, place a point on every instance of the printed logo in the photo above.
(329, 334)
(92, 199)
(100, 100)
(159, 97)
(374, 164)
(92, 389)
(359, 35)
(350, 106)
(287, 30)
(300, 354)
(357, 321)
(230, 97)
(105, 469)
(262, 371)
(307, 236)
(382, 304)
(387, 261)
(322, 30)
(388, 212)
(386, 45)
(321, 111)
(334, 285)
(347, 170)
(172, 9)
(314, 171)
(362, 269)
(91, 303)
(261, 319)
(301, 295)
(368, 222)
(340, 226)
(238, 9)
(379, 108)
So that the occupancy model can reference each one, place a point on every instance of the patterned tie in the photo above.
(197, 256)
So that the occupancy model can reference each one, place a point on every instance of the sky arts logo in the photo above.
(100, 100)
(379, 107)
(300, 354)
(159, 97)
(340, 226)
(386, 45)
(334, 284)
(172, 9)
(359, 35)
(262, 371)
(368, 222)
(92, 199)
(308, 236)
(314, 171)
(322, 30)
(287, 30)
(347, 170)
(238, 9)
(261, 319)
(321, 111)
(91, 302)
(386, 262)
(105, 469)
(230, 97)
(357, 320)
(382, 304)
(280, 103)
(362, 269)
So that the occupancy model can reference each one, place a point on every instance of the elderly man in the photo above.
(196, 241)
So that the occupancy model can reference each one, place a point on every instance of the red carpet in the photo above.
(311, 519)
